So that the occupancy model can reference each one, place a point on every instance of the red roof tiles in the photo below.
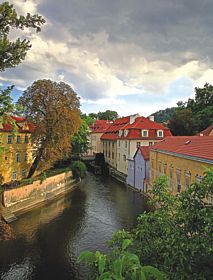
(112, 132)
(8, 126)
(100, 126)
(207, 132)
(193, 146)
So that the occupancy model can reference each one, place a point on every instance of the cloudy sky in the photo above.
(134, 56)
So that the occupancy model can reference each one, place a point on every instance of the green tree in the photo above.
(80, 143)
(176, 238)
(78, 169)
(14, 52)
(6, 101)
(54, 110)
(107, 115)
(183, 122)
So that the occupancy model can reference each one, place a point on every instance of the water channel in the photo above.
(49, 239)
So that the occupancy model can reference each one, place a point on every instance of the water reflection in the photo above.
(50, 238)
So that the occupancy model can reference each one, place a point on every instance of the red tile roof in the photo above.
(100, 126)
(207, 132)
(193, 146)
(140, 123)
(112, 132)
(144, 150)
(8, 126)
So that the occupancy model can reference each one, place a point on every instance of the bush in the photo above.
(78, 169)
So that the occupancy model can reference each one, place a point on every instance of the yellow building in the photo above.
(182, 158)
(15, 149)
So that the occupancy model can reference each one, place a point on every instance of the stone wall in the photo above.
(23, 198)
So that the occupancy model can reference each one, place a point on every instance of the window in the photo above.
(25, 156)
(124, 157)
(187, 179)
(125, 144)
(112, 155)
(138, 144)
(178, 174)
(113, 145)
(198, 178)
(119, 143)
(9, 139)
(18, 159)
(26, 139)
(170, 176)
(14, 175)
(125, 132)
(145, 133)
(119, 156)
(160, 133)
(18, 139)
(120, 132)
(24, 173)
(159, 168)
(164, 168)
(150, 143)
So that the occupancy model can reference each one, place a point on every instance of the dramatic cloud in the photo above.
(110, 50)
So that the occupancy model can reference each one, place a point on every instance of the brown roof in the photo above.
(207, 132)
(7, 126)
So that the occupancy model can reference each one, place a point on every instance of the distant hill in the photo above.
(163, 116)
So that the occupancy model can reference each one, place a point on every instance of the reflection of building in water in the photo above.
(28, 224)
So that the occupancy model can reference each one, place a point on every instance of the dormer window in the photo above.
(125, 132)
(160, 133)
(120, 132)
(144, 133)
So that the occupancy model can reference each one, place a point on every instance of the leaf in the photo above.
(86, 256)
(153, 271)
(126, 243)
(101, 264)
(142, 275)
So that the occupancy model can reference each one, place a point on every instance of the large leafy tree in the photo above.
(13, 52)
(183, 123)
(54, 110)
(176, 238)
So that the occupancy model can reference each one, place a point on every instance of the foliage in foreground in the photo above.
(176, 238)
(78, 169)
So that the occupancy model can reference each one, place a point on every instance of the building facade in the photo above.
(140, 131)
(97, 130)
(15, 149)
(109, 140)
(138, 169)
(183, 159)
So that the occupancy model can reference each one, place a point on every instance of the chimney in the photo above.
(132, 118)
(152, 118)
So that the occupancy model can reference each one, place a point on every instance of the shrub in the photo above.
(78, 169)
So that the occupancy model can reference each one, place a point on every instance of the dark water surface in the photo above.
(49, 239)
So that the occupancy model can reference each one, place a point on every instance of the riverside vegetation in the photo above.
(173, 242)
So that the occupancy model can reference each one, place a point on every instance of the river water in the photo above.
(49, 239)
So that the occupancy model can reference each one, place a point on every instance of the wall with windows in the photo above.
(180, 171)
(110, 152)
(15, 155)
(96, 143)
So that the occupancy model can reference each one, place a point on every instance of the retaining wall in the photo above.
(21, 199)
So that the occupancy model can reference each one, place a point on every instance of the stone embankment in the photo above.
(21, 199)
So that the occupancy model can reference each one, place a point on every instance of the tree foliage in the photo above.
(164, 116)
(13, 52)
(6, 101)
(79, 169)
(80, 142)
(54, 110)
(194, 115)
(176, 238)
(107, 115)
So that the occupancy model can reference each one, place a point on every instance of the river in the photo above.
(49, 239)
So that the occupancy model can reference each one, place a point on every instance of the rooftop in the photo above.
(192, 146)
